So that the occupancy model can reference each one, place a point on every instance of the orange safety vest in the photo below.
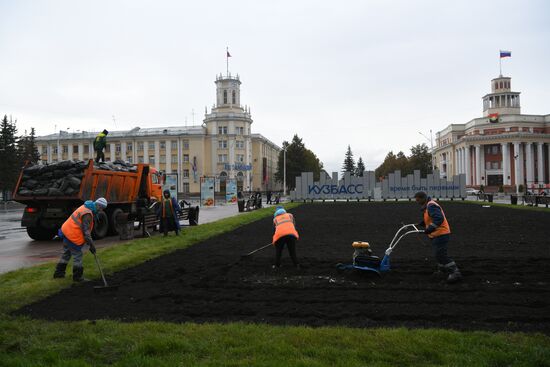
(443, 228)
(164, 207)
(72, 228)
(284, 226)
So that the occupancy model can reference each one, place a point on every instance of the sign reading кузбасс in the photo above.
(393, 187)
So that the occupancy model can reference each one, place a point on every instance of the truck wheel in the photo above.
(101, 226)
(41, 233)
(114, 225)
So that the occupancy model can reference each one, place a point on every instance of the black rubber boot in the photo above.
(78, 275)
(60, 270)
(454, 274)
(441, 272)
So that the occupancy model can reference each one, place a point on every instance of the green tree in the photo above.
(360, 168)
(9, 162)
(349, 162)
(26, 148)
(420, 159)
(298, 159)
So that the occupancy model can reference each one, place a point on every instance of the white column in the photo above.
(145, 151)
(529, 162)
(81, 151)
(505, 164)
(59, 151)
(517, 164)
(69, 151)
(123, 151)
(455, 171)
(49, 153)
(168, 156)
(468, 168)
(540, 163)
(180, 168)
(478, 164)
(461, 160)
(112, 152)
(157, 154)
(548, 162)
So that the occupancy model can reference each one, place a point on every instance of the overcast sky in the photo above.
(371, 74)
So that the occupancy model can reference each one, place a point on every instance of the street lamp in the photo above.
(431, 141)
(516, 178)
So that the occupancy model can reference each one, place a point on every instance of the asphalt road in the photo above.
(17, 250)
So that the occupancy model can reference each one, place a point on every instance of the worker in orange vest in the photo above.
(75, 233)
(438, 230)
(285, 234)
(167, 211)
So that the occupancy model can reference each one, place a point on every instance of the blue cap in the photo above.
(279, 211)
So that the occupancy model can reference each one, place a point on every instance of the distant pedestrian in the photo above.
(100, 143)
(285, 235)
(75, 233)
(438, 230)
(268, 197)
(168, 214)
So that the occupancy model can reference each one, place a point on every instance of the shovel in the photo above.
(105, 286)
(253, 252)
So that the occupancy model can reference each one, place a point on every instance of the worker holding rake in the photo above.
(438, 230)
(285, 235)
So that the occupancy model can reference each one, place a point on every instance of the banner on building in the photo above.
(231, 190)
(392, 187)
(207, 191)
(171, 183)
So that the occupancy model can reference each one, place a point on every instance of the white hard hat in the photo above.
(101, 203)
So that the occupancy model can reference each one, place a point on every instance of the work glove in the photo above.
(429, 229)
(92, 249)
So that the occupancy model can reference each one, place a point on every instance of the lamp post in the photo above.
(284, 171)
(516, 156)
(431, 141)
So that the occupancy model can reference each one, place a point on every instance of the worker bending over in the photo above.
(285, 234)
(438, 230)
(75, 233)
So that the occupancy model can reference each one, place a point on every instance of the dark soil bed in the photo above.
(504, 255)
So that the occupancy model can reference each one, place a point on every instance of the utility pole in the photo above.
(284, 171)
(431, 141)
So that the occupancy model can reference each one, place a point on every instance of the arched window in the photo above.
(233, 99)
(225, 97)
(223, 176)
(240, 176)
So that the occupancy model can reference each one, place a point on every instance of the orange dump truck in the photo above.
(52, 192)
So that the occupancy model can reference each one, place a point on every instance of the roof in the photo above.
(261, 137)
(135, 132)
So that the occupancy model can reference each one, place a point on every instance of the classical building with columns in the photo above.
(223, 146)
(502, 148)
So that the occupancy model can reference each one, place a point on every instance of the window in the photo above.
(129, 160)
(495, 165)
(140, 159)
(240, 130)
(86, 148)
(233, 98)
(487, 165)
(152, 159)
(65, 149)
(186, 187)
(151, 145)
(222, 158)
(130, 147)
(117, 148)
(174, 159)
(240, 158)
(44, 150)
(75, 149)
(240, 144)
(495, 149)
(140, 146)
(225, 97)
(185, 173)
(185, 144)
(162, 159)
(163, 144)
(222, 130)
(186, 158)
(222, 144)
(174, 144)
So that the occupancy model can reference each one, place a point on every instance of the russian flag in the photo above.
(505, 54)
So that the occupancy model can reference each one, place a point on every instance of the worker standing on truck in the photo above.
(168, 214)
(285, 235)
(75, 233)
(100, 143)
(438, 230)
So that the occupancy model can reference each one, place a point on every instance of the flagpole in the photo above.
(227, 60)
(500, 63)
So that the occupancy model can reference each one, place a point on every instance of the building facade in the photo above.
(223, 146)
(504, 148)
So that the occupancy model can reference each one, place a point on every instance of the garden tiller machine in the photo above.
(364, 260)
